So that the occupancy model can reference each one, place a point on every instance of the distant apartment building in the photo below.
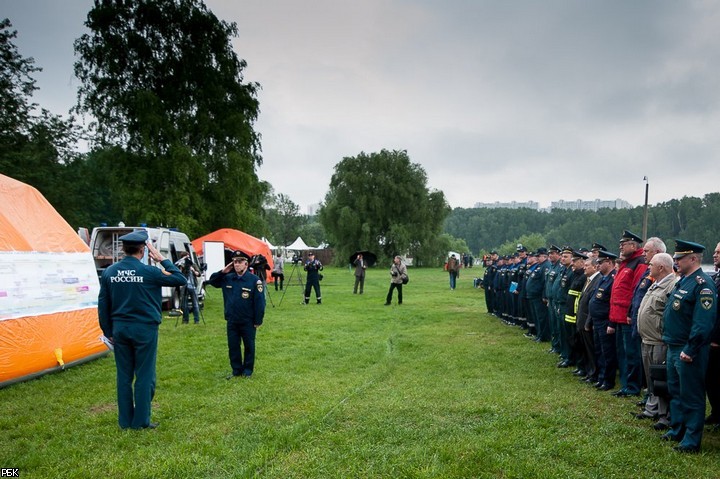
(513, 205)
(592, 205)
(313, 209)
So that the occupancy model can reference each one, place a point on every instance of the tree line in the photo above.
(689, 218)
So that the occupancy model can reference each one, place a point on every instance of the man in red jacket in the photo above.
(629, 273)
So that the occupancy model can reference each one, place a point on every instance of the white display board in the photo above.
(213, 256)
(33, 283)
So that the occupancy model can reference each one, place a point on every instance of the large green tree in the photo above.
(37, 147)
(162, 82)
(283, 219)
(381, 202)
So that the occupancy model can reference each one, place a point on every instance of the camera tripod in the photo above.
(295, 273)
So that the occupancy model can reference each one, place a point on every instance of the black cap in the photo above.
(567, 249)
(554, 248)
(598, 247)
(630, 236)
(686, 247)
(542, 250)
(240, 255)
(604, 254)
(493, 252)
(521, 248)
(579, 255)
(310, 253)
(136, 237)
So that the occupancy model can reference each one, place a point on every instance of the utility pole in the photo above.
(645, 211)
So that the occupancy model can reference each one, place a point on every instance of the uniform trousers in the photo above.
(313, 283)
(554, 325)
(135, 358)
(686, 383)
(238, 332)
(605, 354)
(712, 383)
(654, 354)
(540, 316)
(629, 358)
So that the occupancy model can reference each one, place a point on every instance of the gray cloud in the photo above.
(501, 101)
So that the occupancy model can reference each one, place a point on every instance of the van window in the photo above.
(164, 243)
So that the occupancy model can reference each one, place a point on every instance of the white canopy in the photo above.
(298, 245)
(267, 242)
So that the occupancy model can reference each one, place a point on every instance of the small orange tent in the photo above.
(48, 288)
(235, 240)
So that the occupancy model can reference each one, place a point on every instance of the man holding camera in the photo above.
(313, 268)
(190, 272)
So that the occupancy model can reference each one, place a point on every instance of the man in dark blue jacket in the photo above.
(244, 300)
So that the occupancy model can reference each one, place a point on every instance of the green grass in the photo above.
(435, 388)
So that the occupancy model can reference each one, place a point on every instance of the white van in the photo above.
(106, 249)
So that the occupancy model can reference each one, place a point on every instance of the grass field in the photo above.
(435, 388)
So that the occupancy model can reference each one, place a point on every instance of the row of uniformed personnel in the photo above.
(585, 302)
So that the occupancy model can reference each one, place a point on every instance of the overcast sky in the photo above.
(497, 100)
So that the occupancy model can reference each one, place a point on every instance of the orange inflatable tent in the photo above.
(48, 288)
(235, 240)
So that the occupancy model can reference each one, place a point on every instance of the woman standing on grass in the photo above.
(398, 271)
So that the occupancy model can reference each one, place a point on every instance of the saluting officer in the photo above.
(130, 312)
(687, 323)
(244, 300)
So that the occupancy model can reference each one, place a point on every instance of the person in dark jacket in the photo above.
(712, 378)
(584, 323)
(313, 267)
(360, 266)
(130, 313)
(598, 314)
(244, 304)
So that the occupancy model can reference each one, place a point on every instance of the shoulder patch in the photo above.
(259, 286)
(706, 302)
(706, 291)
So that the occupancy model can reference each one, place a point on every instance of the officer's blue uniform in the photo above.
(244, 301)
(534, 289)
(130, 312)
(688, 321)
(599, 313)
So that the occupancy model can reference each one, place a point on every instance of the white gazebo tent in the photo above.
(298, 245)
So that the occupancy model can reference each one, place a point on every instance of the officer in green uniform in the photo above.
(130, 312)
(688, 321)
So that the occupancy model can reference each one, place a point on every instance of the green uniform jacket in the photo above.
(132, 291)
(690, 312)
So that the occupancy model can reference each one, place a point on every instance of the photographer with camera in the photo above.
(185, 264)
(313, 268)
(398, 271)
(259, 267)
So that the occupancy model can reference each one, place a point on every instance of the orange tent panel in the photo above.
(48, 288)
